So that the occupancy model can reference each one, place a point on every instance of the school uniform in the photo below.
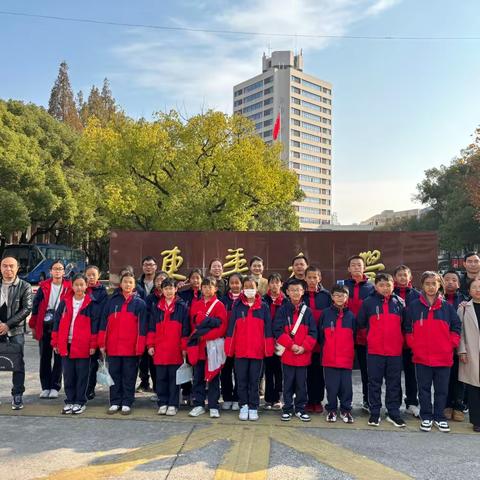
(168, 331)
(122, 333)
(318, 301)
(384, 320)
(358, 292)
(228, 379)
(273, 364)
(249, 340)
(336, 334)
(294, 367)
(432, 333)
(408, 294)
(203, 330)
(74, 334)
(99, 296)
(45, 303)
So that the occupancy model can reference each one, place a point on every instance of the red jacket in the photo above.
(384, 319)
(168, 330)
(433, 332)
(358, 292)
(123, 326)
(40, 304)
(274, 305)
(317, 301)
(305, 337)
(249, 333)
(85, 328)
(198, 314)
(336, 334)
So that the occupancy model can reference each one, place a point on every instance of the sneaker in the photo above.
(286, 417)
(67, 409)
(162, 410)
(196, 411)
(268, 406)
(214, 413)
(396, 421)
(465, 409)
(413, 410)
(253, 415)
(346, 417)
(17, 402)
(331, 417)
(458, 416)
(171, 411)
(235, 406)
(374, 421)
(154, 398)
(304, 417)
(277, 406)
(227, 405)
(113, 409)
(442, 426)
(90, 395)
(53, 394)
(310, 408)
(186, 400)
(243, 415)
(426, 425)
(44, 394)
(366, 407)
(126, 410)
(448, 413)
(78, 409)
(319, 408)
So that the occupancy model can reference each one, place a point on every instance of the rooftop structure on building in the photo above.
(388, 217)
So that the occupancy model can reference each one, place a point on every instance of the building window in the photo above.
(258, 126)
(311, 105)
(295, 133)
(308, 189)
(310, 158)
(267, 91)
(311, 116)
(309, 178)
(253, 97)
(313, 96)
(296, 122)
(267, 112)
(255, 116)
(313, 210)
(268, 80)
(296, 79)
(312, 85)
(311, 126)
(312, 200)
(238, 93)
(295, 154)
(312, 138)
(315, 221)
(253, 107)
(312, 148)
(253, 86)
(295, 111)
(268, 101)
(267, 123)
(294, 143)
(236, 103)
(296, 100)
(296, 90)
(326, 90)
(294, 165)
(268, 133)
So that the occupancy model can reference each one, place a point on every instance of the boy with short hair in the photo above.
(295, 331)
(336, 334)
(299, 266)
(383, 315)
(317, 298)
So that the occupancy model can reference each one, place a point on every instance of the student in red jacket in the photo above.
(317, 298)
(336, 333)
(74, 338)
(49, 295)
(249, 339)
(228, 380)
(295, 330)
(121, 337)
(208, 322)
(168, 330)
(402, 277)
(383, 316)
(274, 298)
(359, 289)
(433, 332)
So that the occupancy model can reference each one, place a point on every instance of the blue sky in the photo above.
(400, 107)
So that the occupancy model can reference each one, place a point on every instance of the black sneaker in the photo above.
(286, 417)
(374, 420)
(396, 421)
(346, 417)
(17, 402)
(304, 417)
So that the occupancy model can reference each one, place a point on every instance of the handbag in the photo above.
(280, 349)
(10, 355)
(184, 373)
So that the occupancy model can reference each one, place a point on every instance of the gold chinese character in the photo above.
(236, 262)
(371, 266)
(172, 261)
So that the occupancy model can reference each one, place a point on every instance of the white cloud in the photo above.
(198, 69)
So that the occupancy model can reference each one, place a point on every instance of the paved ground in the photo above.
(38, 442)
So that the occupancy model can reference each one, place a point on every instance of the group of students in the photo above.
(298, 336)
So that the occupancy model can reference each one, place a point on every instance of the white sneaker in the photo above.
(196, 411)
(253, 415)
(67, 409)
(235, 406)
(214, 413)
(243, 415)
(227, 405)
(44, 394)
(426, 425)
(113, 409)
(53, 394)
(78, 409)
(442, 426)
(126, 410)
(154, 398)
(171, 411)
(162, 410)
(413, 410)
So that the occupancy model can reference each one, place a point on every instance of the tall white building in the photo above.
(305, 106)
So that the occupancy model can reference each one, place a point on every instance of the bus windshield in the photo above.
(28, 256)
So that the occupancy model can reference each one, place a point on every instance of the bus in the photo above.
(35, 260)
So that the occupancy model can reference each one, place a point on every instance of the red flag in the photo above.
(276, 127)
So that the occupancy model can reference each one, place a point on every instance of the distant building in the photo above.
(388, 217)
(305, 106)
